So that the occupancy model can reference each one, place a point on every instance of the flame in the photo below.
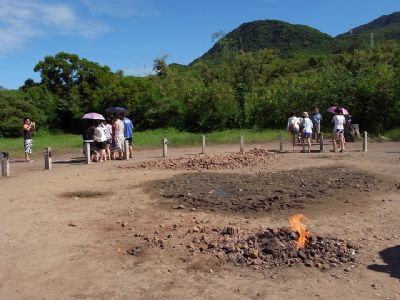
(300, 228)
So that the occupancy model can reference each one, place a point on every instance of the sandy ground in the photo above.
(64, 233)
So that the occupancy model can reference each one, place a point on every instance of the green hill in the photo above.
(384, 28)
(289, 39)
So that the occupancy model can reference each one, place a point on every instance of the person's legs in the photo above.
(309, 145)
(28, 150)
(294, 141)
(334, 141)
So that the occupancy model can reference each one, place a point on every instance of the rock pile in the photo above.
(253, 157)
(277, 247)
(266, 249)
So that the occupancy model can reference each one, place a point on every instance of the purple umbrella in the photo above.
(332, 109)
(93, 116)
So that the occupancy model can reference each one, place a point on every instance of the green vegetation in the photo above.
(384, 28)
(394, 134)
(245, 84)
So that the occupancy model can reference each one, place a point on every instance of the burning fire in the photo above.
(300, 228)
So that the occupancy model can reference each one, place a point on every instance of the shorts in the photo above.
(28, 146)
(100, 145)
(294, 130)
(109, 142)
(307, 135)
(337, 133)
(129, 140)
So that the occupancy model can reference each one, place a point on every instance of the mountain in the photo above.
(384, 28)
(287, 38)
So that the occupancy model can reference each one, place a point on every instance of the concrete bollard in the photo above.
(47, 158)
(321, 142)
(241, 144)
(87, 152)
(365, 142)
(126, 152)
(5, 164)
(203, 144)
(165, 147)
(281, 143)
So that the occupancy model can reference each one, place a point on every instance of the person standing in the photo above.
(128, 133)
(316, 119)
(100, 140)
(293, 128)
(119, 138)
(338, 121)
(28, 128)
(307, 131)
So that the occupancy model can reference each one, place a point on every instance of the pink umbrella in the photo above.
(93, 116)
(332, 109)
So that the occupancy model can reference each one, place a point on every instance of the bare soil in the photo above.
(113, 231)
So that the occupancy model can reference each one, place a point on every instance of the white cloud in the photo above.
(121, 8)
(25, 19)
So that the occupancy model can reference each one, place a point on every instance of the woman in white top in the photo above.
(100, 140)
(307, 131)
(293, 128)
(338, 129)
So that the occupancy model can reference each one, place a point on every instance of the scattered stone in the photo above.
(72, 224)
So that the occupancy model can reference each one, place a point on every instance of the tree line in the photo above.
(243, 90)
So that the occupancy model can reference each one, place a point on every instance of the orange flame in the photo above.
(300, 228)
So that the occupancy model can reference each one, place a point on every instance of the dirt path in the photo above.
(65, 232)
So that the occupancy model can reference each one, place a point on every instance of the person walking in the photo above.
(316, 119)
(293, 128)
(338, 121)
(28, 128)
(307, 131)
(128, 133)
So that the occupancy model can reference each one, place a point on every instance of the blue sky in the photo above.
(129, 34)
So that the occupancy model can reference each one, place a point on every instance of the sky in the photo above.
(129, 34)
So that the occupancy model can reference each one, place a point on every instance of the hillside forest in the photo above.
(242, 89)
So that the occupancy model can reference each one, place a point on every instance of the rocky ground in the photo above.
(118, 231)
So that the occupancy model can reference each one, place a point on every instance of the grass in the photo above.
(142, 140)
(394, 134)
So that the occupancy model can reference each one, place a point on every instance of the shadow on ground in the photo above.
(391, 258)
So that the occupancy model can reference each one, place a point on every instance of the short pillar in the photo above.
(321, 142)
(281, 142)
(47, 158)
(87, 152)
(365, 142)
(165, 147)
(5, 164)
(241, 144)
(126, 152)
(203, 144)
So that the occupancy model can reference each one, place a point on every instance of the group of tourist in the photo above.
(108, 137)
(307, 128)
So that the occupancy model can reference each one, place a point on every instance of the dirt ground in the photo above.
(65, 233)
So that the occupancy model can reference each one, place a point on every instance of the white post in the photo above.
(47, 158)
(5, 164)
(281, 143)
(87, 152)
(165, 147)
(203, 144)
(126, 152)
(365, 142)
(241, 144)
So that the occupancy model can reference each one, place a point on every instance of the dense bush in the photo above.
(253, 89)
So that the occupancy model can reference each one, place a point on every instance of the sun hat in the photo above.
(305, 114)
